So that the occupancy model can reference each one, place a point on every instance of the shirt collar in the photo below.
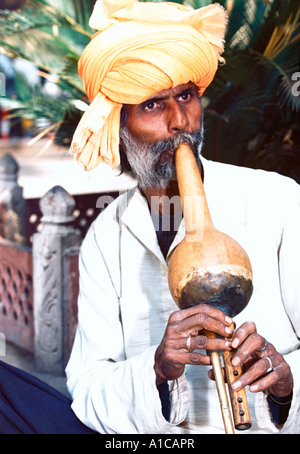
(134, 213)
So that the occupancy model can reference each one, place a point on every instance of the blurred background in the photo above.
(252, 107)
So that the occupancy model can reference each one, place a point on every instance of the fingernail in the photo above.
(253, 388)
(228, 330)
(235, 343)
(236, 385)
(236, 361)
(228, 320)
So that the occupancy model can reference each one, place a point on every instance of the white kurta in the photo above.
(124, 305)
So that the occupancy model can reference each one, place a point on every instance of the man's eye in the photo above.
(186, 96)
(150, 106)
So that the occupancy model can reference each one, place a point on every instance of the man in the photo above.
(119, 281)
(136, 365)
(139, 365)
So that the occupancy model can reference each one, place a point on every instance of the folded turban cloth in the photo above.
(138, 50)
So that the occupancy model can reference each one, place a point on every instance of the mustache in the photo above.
(161, 146)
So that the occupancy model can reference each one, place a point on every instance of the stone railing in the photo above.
(52, 308)
(39, 245)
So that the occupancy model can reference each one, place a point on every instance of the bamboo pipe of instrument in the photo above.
(238, 399)
(221, 389)
(209, 267)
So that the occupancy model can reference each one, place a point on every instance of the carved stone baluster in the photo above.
(50, 247)
(12, 204)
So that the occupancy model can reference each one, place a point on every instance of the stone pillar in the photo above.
(12, 204)
(50, 248)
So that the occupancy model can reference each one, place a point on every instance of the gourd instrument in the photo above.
(210, 267)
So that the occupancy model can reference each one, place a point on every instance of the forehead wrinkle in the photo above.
(170, 92)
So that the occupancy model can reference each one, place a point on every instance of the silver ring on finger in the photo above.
(264, 347)
(270, 368)
(188, 343)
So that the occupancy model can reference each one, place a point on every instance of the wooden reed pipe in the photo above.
(220, 385)
(221, 389)
(238, 399)
(239, 404)
(207, 266)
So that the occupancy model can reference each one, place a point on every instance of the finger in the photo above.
(200, 321)
(204, 308)
(259, 376)
(196, 359)
(250, 346)
(200, 342)
(242, 333)
(267, 350)
(211, 374)
(181, 357)
(280, 372)
(264, 345)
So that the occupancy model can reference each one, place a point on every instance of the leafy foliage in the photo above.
(252, 114)
(48, 37)
(252, 111)
(51, 34)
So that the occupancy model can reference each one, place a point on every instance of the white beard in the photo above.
(145, 160)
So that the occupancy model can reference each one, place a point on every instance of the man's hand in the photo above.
(174, 352)
(265, 368)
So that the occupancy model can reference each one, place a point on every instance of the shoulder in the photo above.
(101, 242)
(261, 184)
(107, 222)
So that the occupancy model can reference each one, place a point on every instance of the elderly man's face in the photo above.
(155, 128)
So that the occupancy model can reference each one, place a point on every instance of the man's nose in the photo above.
(178, 120)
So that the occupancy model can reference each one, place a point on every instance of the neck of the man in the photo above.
(159, 198)
(163, 195)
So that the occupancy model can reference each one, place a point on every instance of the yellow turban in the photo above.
(138, 50)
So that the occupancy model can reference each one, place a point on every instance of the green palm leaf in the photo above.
(51, 34)
(46, 37)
